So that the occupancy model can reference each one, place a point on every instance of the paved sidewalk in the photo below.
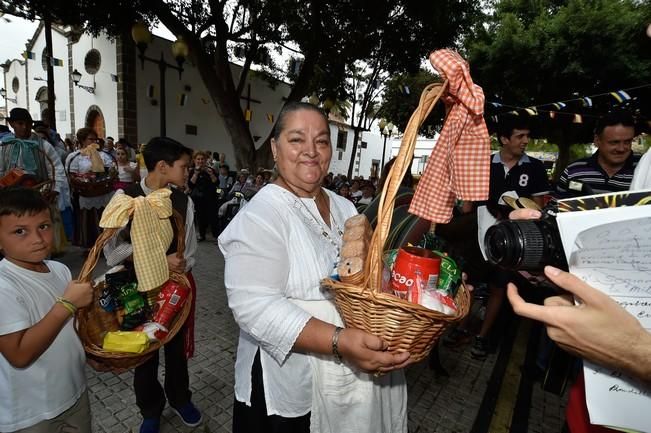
(436, 403)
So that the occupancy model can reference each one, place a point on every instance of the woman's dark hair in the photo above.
(163, 149)
(407, 181)
(83, 133)
(617, 117)
(290, 108)
(21, 201)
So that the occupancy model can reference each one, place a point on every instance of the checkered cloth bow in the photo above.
(459, 165)
(151, 233)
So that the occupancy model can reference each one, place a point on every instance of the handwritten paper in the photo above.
(610, 249)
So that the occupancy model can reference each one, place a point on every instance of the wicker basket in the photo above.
(87, 187)
(93, 322)
(403, 325)
(45, 187)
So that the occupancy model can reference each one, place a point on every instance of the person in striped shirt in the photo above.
(611, 167)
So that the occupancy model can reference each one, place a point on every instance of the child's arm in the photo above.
(23, 347)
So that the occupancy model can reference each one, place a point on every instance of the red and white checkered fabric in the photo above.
(459, 165)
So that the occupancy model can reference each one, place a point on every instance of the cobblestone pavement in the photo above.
(437, 403)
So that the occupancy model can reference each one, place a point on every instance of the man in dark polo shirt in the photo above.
(611, 167)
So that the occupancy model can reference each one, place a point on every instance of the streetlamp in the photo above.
(142, 37)
(3, 93)
(386, 129)
(76, 77)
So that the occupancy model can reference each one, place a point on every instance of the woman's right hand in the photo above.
(370, 353)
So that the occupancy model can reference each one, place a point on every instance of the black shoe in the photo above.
(457, 337)
(480, 348)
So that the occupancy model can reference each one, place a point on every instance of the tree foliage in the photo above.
(328, 36)
(401, 97)
(533, 52)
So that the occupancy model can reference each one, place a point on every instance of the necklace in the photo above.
(316, 220)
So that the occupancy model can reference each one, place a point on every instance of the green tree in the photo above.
(542, 51)
(329, 35)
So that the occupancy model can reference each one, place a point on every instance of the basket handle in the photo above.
(86, 272)
(373, 265)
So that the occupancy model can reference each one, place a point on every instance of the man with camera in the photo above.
(611, 167)
(515, 174)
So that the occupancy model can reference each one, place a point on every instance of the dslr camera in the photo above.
(526, 245)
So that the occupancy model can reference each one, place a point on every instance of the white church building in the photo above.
(119, 96)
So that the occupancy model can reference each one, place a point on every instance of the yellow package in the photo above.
(126, 341)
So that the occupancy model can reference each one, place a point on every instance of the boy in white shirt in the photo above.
(42, 381)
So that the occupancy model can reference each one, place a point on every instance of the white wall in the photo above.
(106, 95)
(199, 109)
(424, 147)
(16, 69)
(38, 78)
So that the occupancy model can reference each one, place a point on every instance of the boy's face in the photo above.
(27, 240)
(177, 174)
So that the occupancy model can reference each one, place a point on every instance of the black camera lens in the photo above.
(527, 245)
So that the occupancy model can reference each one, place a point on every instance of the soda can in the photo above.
(449, 275)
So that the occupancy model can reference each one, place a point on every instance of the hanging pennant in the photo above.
(151, 91)
(532, 111)
(620, 96)
(57, 62)
(559, 105)
(29, 55)
(247, 115)
(577, 119)
(552, 114)
(114, 78)
(270, 117)
(183, 97)
(586, 101)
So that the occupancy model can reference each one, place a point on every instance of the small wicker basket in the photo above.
(44, 186)
(92, 187)
(93, 322)
(403, 325)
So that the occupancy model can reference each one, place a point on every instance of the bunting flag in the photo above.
(577, 119)
(552, 114)
(29, 55)
(270, 117)
(587, 101)
(559, 105)
(114, 78)
(514, 112)
(247, 115)
(495, 104)
(620, 96)
(405, 89)
(183, 97)
(532, 111)
(151, 91)
(57, 62)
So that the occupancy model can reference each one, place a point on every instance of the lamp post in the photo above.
(386, 129)
(76, 77)
(142, 37)
(3, 93)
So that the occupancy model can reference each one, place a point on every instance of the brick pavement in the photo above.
(436, 403)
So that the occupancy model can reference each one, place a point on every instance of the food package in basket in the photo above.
(171, 298)
(421, 276)
(356, 241)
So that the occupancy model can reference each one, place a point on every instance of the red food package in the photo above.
(170, 300)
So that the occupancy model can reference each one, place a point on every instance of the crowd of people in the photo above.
(298, 368)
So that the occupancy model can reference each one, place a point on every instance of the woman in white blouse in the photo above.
(297, 369)
(89, 210)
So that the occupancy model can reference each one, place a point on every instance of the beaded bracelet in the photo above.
(67, 305)
(335, 344)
